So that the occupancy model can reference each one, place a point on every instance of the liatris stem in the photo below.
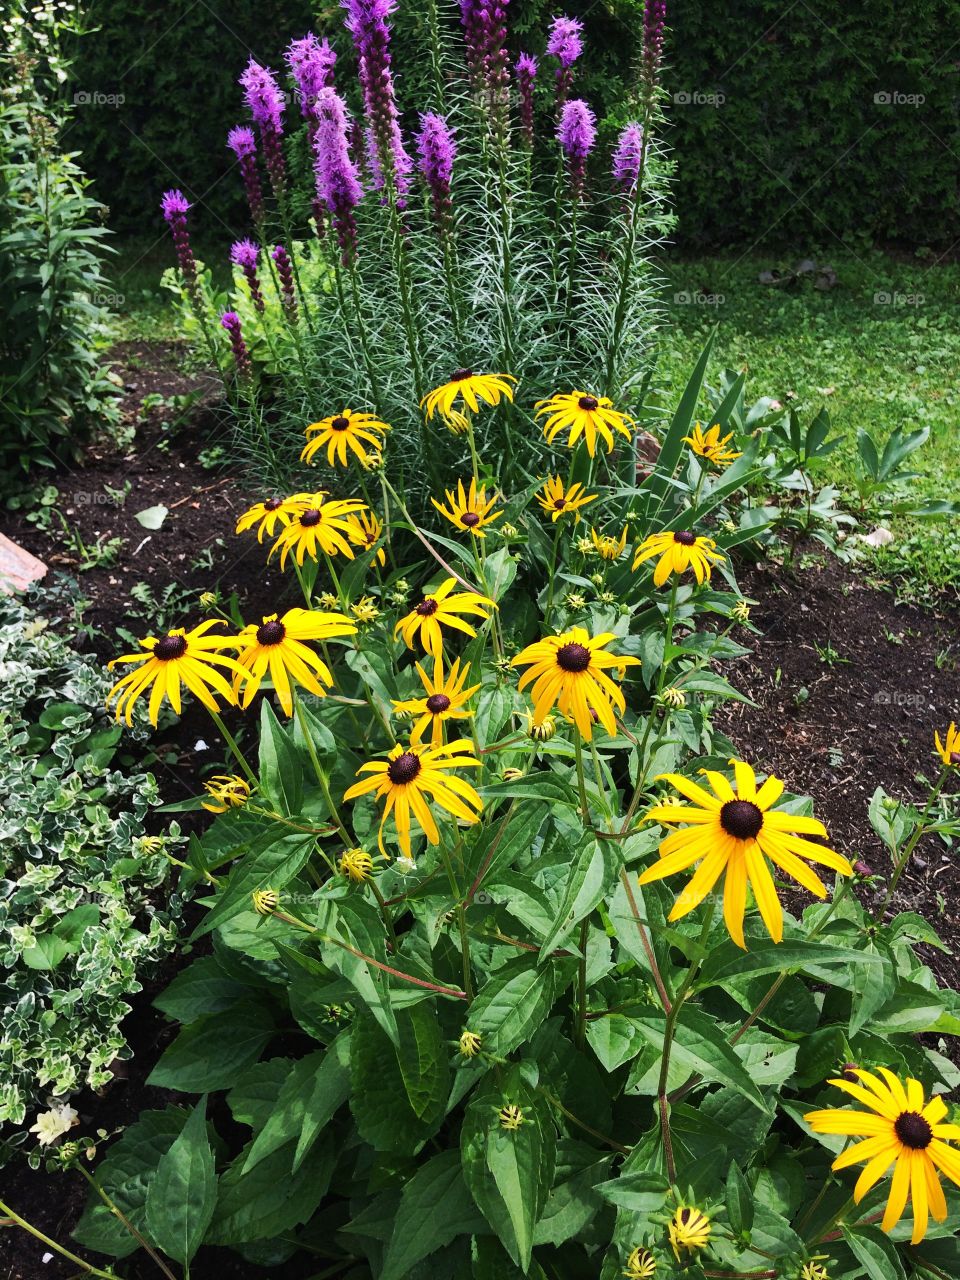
(406, 304)
(368, 360)
(626, 269)
(288, 293)
(436, 60)
(231, 322)
(292, 261)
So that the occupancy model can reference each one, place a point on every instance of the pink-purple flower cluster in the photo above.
(246, 255)
(265, 102)
(628, 158)
(565, 43)
(367, 23)
(526, 76)
(311, 62)
(337, 178)
(577, 133)
(484, 25)
(285, 272)
(437, 151)
(654, 21)
(231, 322)
(243, 145)
(175, 206)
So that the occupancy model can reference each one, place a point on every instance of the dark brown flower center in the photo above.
(310, 518)
(427, 607)
(573, 657)
(685, 1215)
(169, 647)
(588, 402)
(460, 375)
(955, 757)
(272, 504)
(741, 819)
(339, 424)
(404, 769)
(913, 1131)
(684, 538)
(271, 632)
(470, 519)
(559, 503)
(437, 702)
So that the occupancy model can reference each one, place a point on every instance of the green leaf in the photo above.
(875, 1252)
(511, 1005)
(499, 572)
(435, 1208)
(182, 1197)
(739, 1199)
(281, 774)
(209, 1054)
(424, 1061)
(331, 1088)
(672, 446)
(728, 961)
(639, 1193)
(270, 1200)
(202, 988)
(378, 1095)
(270, 867)
(701, 1047)
(541, 785)
(592, 872)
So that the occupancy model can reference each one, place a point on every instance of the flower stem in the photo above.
(88, 1267)
(461, 921)
(318, 769)
(921, 830)
(232, 744)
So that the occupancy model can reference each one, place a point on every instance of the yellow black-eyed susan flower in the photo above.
(444, 699)
(226, 791)
(689, 1231)
(558, 501)
(641, 1265)
(470, 388)
(569, 671)
(678, 552)
(440, 609)
(361, 433)
(469, 509)
(949, 749)
(469, 1044)
(541, 730)
(368, 530)
(410, 775)
(271, 513)
(265, 901)
(511, 1117)
(607, 546)
(320, 526)
(356, 865)
(709, 445)
(583, 414)
(277, 647)
(733, 833)
(902, 1130)
(458, 424)
(365, 610)
(813, 1270)
(188, 658)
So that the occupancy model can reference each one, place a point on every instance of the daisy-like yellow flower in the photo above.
(900, 1129)
(584, 415)
(408, 776)
(264, 901)
(276, 646)
(270, 513)
(570, 671)
(226, 791)
(470, 388)
(469, 1044)
(365, 610)
(187, 657)
(814, 1271)
(511, 1117)
(641, 1265)
(949, 749)
(558, 501)
(356, 865)
(708, 445)
(441, 609)
(678, 552)
(469, 509)
(320, 527)
(689, 1231)
(607, 546)
(444, 698)
(368, 530)
(360, 432)
(733, 833)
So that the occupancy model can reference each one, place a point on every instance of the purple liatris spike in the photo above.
(243, 145)
(628, 157)
(367, 23)
(245, 255)
(526, 76)
(577, 133)
(437, 151)
(338, 182)
(265, 100)
(231, 322)
(285, 271)
(175, 206)
(496, 62)
(654, 20)
(565, 43)
(472, 19)
(311, 62)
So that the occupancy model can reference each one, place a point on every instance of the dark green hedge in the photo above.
(781, 138)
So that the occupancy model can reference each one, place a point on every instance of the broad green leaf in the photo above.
(331, 1088)
(203, 987)
(728, 961)
(364, 931)
(435, 1208)
(209, 1054)
(424, 1061)
(739, 1200)
(378, 1095)
(182, 1196)
(592, 872)
(269, 1200)
(285, 1120)
(270, 867)
(639, 1193)
(701, 1047)
(542, 785)
(614, 1039)
(281, 773)
(512, 1003)
(875, 1252)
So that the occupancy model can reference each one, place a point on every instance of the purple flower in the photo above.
(231, 322)
(526, 75)
(285, 271)
(577, 133)
(367, 22)
(654, 20)
(311, 63)
(472, 21)
(628, 157)
(485, 33)
(565, 40)
(246, 255)
(265, 101)
(437, 150)
(242, 143)
(175, 206)
(338, 182)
